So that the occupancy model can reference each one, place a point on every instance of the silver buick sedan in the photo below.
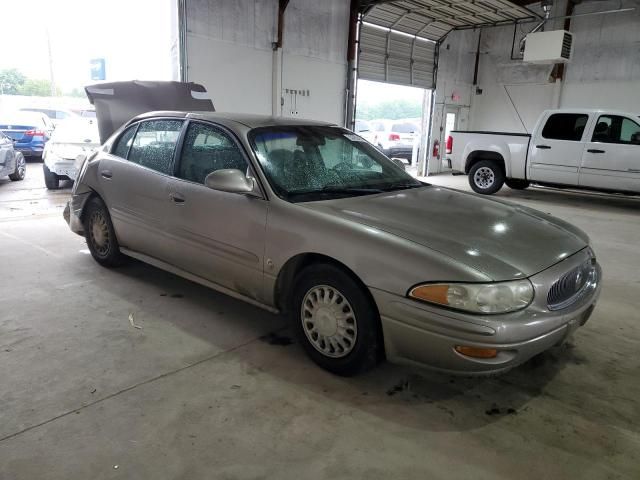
(309, 219)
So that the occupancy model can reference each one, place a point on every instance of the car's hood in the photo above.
(117, 103)
(501, 240)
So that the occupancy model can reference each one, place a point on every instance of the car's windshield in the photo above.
(307, 163)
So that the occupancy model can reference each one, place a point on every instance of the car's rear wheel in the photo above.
(486, 177)
(517, 184)
(335, 320)
(51, 180)
(21, 168)
(100, 235)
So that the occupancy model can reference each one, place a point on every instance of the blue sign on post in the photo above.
(98, 69)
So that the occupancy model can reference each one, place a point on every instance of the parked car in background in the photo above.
(306, 218)
(29, 130)
(590, 149)
(395, 138)
(12, 163)
(363, 128)
(55, 115)
(73, 137)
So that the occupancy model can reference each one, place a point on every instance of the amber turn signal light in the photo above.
(476, 352)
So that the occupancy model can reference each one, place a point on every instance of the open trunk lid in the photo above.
(117, 103)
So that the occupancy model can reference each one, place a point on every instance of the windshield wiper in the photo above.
(335, 189)
(355, 190)
(401, 186)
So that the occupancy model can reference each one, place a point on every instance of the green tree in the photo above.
(393, 110)
(10, 81)
(76, 92)
(32, 87)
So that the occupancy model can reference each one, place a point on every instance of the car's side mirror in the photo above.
(635, 138)
(233, 181)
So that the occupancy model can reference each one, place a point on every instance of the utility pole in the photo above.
(52, 80)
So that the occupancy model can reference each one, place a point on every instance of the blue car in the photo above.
(29, 131)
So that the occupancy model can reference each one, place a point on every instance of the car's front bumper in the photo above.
(73, 212)
(425, 335)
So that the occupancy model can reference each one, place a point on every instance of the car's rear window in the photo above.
(404, 128)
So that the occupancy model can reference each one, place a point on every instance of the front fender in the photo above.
(380, 259)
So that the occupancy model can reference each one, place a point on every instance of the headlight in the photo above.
(499, 297)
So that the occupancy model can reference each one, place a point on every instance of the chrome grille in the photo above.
(573, 285)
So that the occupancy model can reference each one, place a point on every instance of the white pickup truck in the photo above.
(590, 149)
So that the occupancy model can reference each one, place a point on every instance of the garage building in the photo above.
(138, 373)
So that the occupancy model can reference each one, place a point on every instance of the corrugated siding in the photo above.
(391, 57)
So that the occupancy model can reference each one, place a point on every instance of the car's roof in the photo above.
(248, 120)
(601, 111)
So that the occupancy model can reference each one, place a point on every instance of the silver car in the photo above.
(308, 219)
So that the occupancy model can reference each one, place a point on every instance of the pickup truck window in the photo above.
(616, 129)
(565, 126)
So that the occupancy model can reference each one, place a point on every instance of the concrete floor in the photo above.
(209, 387)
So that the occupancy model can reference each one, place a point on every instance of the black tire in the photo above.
(365, 345)
(517, 184)
(21, 168)
(100, 235)
(51, 180)
(486, 177)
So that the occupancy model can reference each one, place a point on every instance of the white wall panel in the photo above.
(229, 50)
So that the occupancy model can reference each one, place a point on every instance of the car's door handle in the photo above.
(106, 174)
(595, 150)
(176, 197)
(543, 147)
(633, 170)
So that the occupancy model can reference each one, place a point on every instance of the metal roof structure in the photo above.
(432, 19)
(398, 37)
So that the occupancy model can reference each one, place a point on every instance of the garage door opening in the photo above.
(395, 118)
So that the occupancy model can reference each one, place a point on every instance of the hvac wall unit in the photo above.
(555, 46)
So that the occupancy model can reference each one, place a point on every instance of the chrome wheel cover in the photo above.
(484, 177)
(99, 233)
(328, 321)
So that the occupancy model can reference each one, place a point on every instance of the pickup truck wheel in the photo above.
(100, 235)
(516, 183)
(51, 180)
(21, 169)
(486, 177)
(335, 321)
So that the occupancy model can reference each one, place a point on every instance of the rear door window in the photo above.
(155, 143)
(405, 127)
(565, 126)
(616, 129)
(122, 145)
(207, 149)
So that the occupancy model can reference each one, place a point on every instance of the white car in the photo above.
(56, 115)
(363, 128)
(395, 138)
(587, 149)
(71, 138)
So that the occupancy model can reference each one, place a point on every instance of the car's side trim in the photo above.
(195, 278)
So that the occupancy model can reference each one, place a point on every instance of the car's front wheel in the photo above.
(100, 235)
(335, 320)
(486, 177)
(51, 180)
(21, 168)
